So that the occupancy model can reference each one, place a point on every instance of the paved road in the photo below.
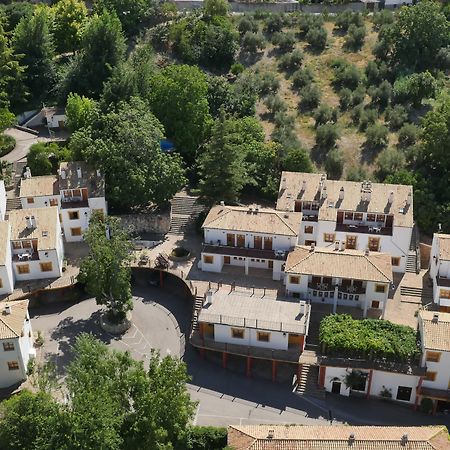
(160, 318)
(24, 141)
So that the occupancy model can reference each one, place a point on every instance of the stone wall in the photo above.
(152, 223)
(425, 252)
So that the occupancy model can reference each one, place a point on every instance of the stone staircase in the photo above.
(411, 262)
(423, 293)
(412, 259)
(13, 203)
(307, 382)
(197, 307)
(184, 210)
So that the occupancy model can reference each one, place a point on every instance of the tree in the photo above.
(297, 160)
(396, 116)
(43, 158)
(407, 135)
(389, 161)
(325, 114)
(302, 77)
(284, 41)
(214, 8)
(69, 18)
(417, 34)
(326, 136)
(382, 94)
(178, 98)
(291, 61)
(79, 111)
(377, 136)
(334, 164)
(247, 23)
(354, 39)
(33, 40)
(317, 38)
(274, 23)
(414, 88)
(310, 97)
(125, 145)
(14, 12)
(222, 172)
(252, 42)
(105, 271)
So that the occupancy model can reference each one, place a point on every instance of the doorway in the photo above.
(226, 260)
(336, 387)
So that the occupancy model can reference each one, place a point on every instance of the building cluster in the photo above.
(337, 243)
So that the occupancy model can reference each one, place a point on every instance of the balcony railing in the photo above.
(310, 217)
(74, 202)
(25, 257)
(245, 252)
(291, 355)
(342, 289)
(377, 230)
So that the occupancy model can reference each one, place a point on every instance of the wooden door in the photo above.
(270, 264)
(268, 243)
(340, 217)
(346, 282)
(375, 304)
(336, 387)
(389, 221)
(444, 309)
(240, 240)
(226, 260)
(257, 242)
(84, 194)
(231, 240)
(294, 339)
(298, 206)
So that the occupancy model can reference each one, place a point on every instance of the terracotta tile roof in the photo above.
(444, 246)
(47, 228)
(94, 183)
(39, 186)
(305, 437)
(4, 241)
(291, 189)
(350, 264)
(435, 333)
(268, 221)
(11, 325)
(242, 309)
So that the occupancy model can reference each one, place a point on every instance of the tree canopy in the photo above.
(69, 18)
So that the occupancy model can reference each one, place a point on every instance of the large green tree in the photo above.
(105, 272)
(69, 19)
(125, 145)
(178, 98)
(80, 111)
(32, 39)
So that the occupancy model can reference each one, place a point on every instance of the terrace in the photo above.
(374, 229)
(245, 252)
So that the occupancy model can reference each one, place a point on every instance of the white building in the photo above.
(339, 277)
(77, 190)
(2, 200)
(16, 342)
(440, 271)
(36, 243)
(51, 116)
(6, 273)
(361, 216)
(250, 237)
(434, 330)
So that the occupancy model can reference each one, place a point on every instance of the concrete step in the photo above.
(13, 203)
(307, 382)
(416, 292)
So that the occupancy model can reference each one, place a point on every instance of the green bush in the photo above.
(368, 116)
(275, 104)
(358, 95)
(377, 136)
(347, 18)
(207, 438)
(382, 94)
(414, 88)
(309, 21)
(345, 98)
(7, 144)
(302, 77)
(354, 39)
(325, 114)
(317, 38)
(342, 335)
(310, 97)
(266, 83)
(284, 41)
(407, 135)
(273, 23)
(426, 405)
(396, 117)
(384, 17)
(326, 136)
(253, 42)
(247, 23)
(389, 162)
(291, 61)
(334, 164)
(346, 75)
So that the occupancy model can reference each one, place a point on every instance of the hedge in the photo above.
(342, 335)
(7, 143)
(207, 438)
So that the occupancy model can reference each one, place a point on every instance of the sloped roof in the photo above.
(291, 189)
(11, 325)
(95, 183)
(350, 264)
(39, 186)
(266, 221)
(435, 333)
(306, 437)
(444, 246)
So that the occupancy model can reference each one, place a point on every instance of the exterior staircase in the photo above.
(413, 259)
(13, 203)
(307, 382)
(184, 210)
(423, 293)
(197, 307)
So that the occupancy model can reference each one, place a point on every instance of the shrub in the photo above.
(347, 18)
(443, 58)
(297, 160)
(356, 113)
(325, 114)
(396, 117)
(384, 17)
(267, 83)
(356, 173)
(284, 41)
(291, 61)
(273, 23)
(206, 438)
(382, 94)
(252, 42)
(426, 405)
(326, 136)
(358, 96)
(317, 38)
(414, 88)
(354, 39)
(308, 22)
(237, 68)
(247, 24)
(407, 135)
(334, 164)
(310, 97)
(368, 117)
(345, 75)
(345, 98)
(43, 158)
(377, 136)
(302, 77)
(343, 335)
(381, 49)
(275, 104)
(389, 161)
(7, 144)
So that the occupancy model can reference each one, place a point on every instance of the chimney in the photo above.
(341, 246)
(336, 245)
(63, 174)
(312, 247)
(391, 197)
(409, 199)
(304, 186)
(29, 222)
(341, 193)
(7, 310)
(27, 173)
(256, 209)
(302, 308)
(435, 317)
(79, 174)
(222, 203)
(351, 438)
(271, 433)
(404, 440)
(33, 222)
(283, 184)
(324, 192)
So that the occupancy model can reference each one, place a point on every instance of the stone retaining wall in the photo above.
(147, 223)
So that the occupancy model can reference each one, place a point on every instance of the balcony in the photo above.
(291, 355)
(74, 202)
(25, 257)
(341, 289)
(310, 217)
(442, 281)
(245, 252)
(373, 229)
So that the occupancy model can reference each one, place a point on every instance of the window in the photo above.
(348, 216)
(374, 244)
(46, 267)
(444, 293)
(231, 240)
(380, 288)
(267, 243)
(430, 376)
(73, 215)
(16, 245)
(237, 333)
(309, 229)
(240, 240)
(371, 217)
(30, 200)
(75, 231)
(257, 242)
(361, 384)
(433, 356)
(13, 365)
(350, 242)
(395, 260)
(8, 346)
(26, 244)
(53, 202)
(329, 237)
(404, 393)
(263, 336)
(293, 279)
(23, 268)
(208, 259)
(358, 216)
(381, 218)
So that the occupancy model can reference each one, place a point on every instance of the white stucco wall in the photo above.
(438, 268)
(67, 223)
(39, 201)
(35, 272)
(278, 340)
(216, 265)
(443, 371)
(9, 377)
(2, 200)
(6, 271)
